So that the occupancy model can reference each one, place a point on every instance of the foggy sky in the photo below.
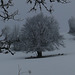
(62, 13)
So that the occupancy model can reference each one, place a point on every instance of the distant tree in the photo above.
(6, 4)
(16, 37)
(11, 36)
(40, 33)
(71, 23)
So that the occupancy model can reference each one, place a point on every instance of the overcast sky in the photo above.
(62, 13)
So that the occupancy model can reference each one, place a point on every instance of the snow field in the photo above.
(59, 65)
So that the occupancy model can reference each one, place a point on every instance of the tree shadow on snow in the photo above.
(53, 55)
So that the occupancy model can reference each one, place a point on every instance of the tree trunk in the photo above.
(0, 50)
(39, 53)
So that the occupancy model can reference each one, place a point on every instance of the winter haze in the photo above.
(55, 65)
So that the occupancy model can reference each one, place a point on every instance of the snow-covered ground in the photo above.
(60, 65)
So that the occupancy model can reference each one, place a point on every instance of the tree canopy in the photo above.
(40, 33)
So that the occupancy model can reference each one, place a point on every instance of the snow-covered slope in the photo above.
(60, 65)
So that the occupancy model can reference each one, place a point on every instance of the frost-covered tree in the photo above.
(71, 23)
(40, 33)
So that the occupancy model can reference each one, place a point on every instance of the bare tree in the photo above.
(6, 15)
(43, 3)
(40, 33)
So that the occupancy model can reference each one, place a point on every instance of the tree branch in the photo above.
(41, 3)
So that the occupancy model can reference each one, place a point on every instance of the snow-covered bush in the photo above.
(71, 22)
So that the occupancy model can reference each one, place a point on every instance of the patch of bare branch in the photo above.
(5, 44)
(41, 3)
(5, 14)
